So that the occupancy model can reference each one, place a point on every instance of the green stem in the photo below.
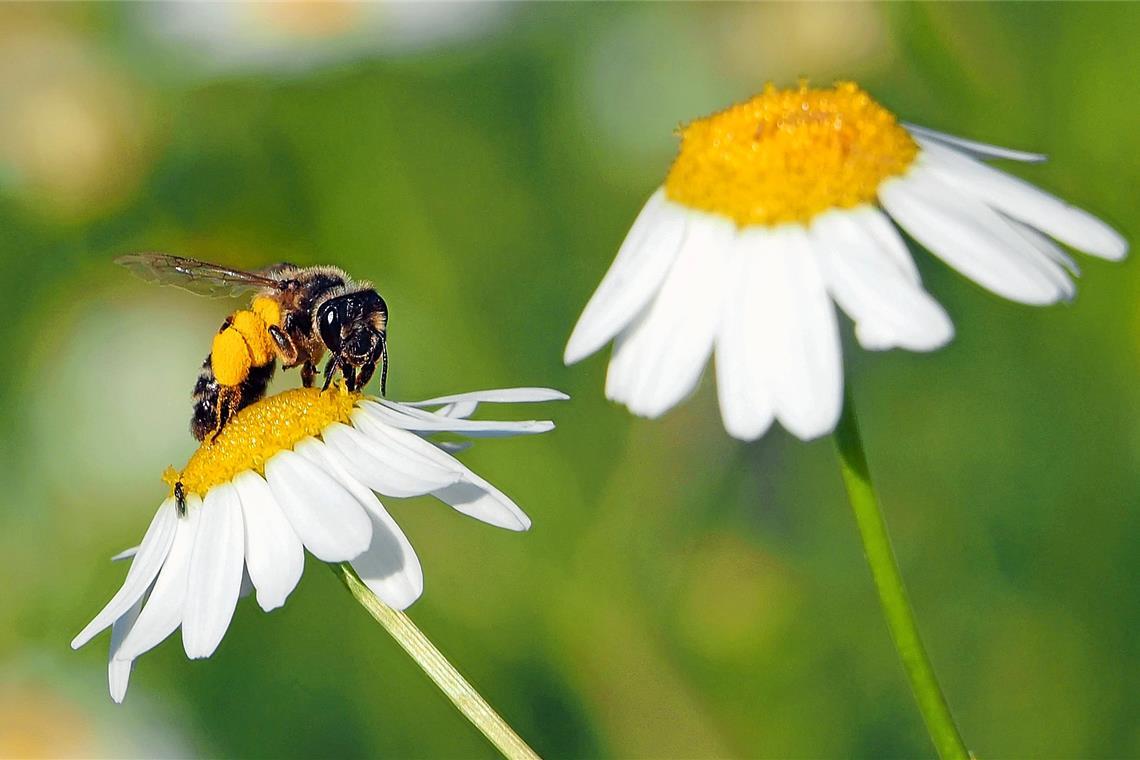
(438, 669)
(892, 593)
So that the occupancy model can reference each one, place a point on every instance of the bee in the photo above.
(295, 315)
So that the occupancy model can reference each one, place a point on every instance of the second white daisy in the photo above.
(777, 207)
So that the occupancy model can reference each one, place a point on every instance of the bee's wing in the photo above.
(195, 276)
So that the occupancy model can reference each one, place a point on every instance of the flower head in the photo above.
(297, 37)
(296, 471)
(778, 206)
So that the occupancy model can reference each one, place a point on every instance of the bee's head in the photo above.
(362, 346)
(352, 326)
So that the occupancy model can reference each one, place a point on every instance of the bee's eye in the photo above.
(328, 323)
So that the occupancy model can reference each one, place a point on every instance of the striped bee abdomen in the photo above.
(212, 407)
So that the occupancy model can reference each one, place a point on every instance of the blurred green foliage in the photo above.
(681, 594)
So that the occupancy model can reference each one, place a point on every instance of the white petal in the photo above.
(1045, 244)
(163, 611)
(972, 238)
(119, 670)
(795, 332)
(326, 517)
(742, 386)
(970, 146)
(660, 358)
(274, 556)
(880, 229)
(214, 578)
(475, 497)
(385, 466)
(888, 307)
(145, 566)
(1022, 201)
(412, 447)
(635, 275)
(418, 420)
(389, 566)
(459, 410)
(125, 554)
(498, 396)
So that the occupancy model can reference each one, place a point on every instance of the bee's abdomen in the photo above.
(256, 384)
(205, 417)
(207, 394)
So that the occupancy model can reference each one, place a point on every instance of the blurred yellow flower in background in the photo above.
(34, 722)
(77, 135)
(814, 40)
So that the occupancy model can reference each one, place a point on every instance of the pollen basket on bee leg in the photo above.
(230, 357)
(243, 344)
(268, 309)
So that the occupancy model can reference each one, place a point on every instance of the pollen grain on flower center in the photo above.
(258, 432)
(787, 155)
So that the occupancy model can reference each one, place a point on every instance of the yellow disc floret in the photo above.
(787, 155)
(258, 432)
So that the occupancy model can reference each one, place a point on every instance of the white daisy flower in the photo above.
(306, 35)
(298, 471)
(778, 206)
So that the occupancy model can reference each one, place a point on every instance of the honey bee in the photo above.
(295, 315)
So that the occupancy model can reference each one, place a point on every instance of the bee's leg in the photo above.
(308, 372)
(365, 375)
(379, 354)
(229, 399)
(349, 373)
(286, 348)
(330, 370)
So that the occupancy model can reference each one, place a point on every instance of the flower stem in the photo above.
(446, 677)
(892, 594)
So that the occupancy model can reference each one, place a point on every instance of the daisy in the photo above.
(298, 37)
(295, 472)
(779, 206)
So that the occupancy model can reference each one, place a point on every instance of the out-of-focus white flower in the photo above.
(778, 206)
(69, 422)
(300, 36)
(292, 472)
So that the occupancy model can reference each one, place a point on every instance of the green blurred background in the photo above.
(681, 594)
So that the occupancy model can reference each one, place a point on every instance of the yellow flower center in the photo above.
(308, 18)
(787, 155)
(258, 432)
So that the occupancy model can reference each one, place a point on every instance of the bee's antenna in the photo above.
(384, 372)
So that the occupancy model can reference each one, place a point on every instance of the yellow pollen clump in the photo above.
(258, 432)
(787, 155)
